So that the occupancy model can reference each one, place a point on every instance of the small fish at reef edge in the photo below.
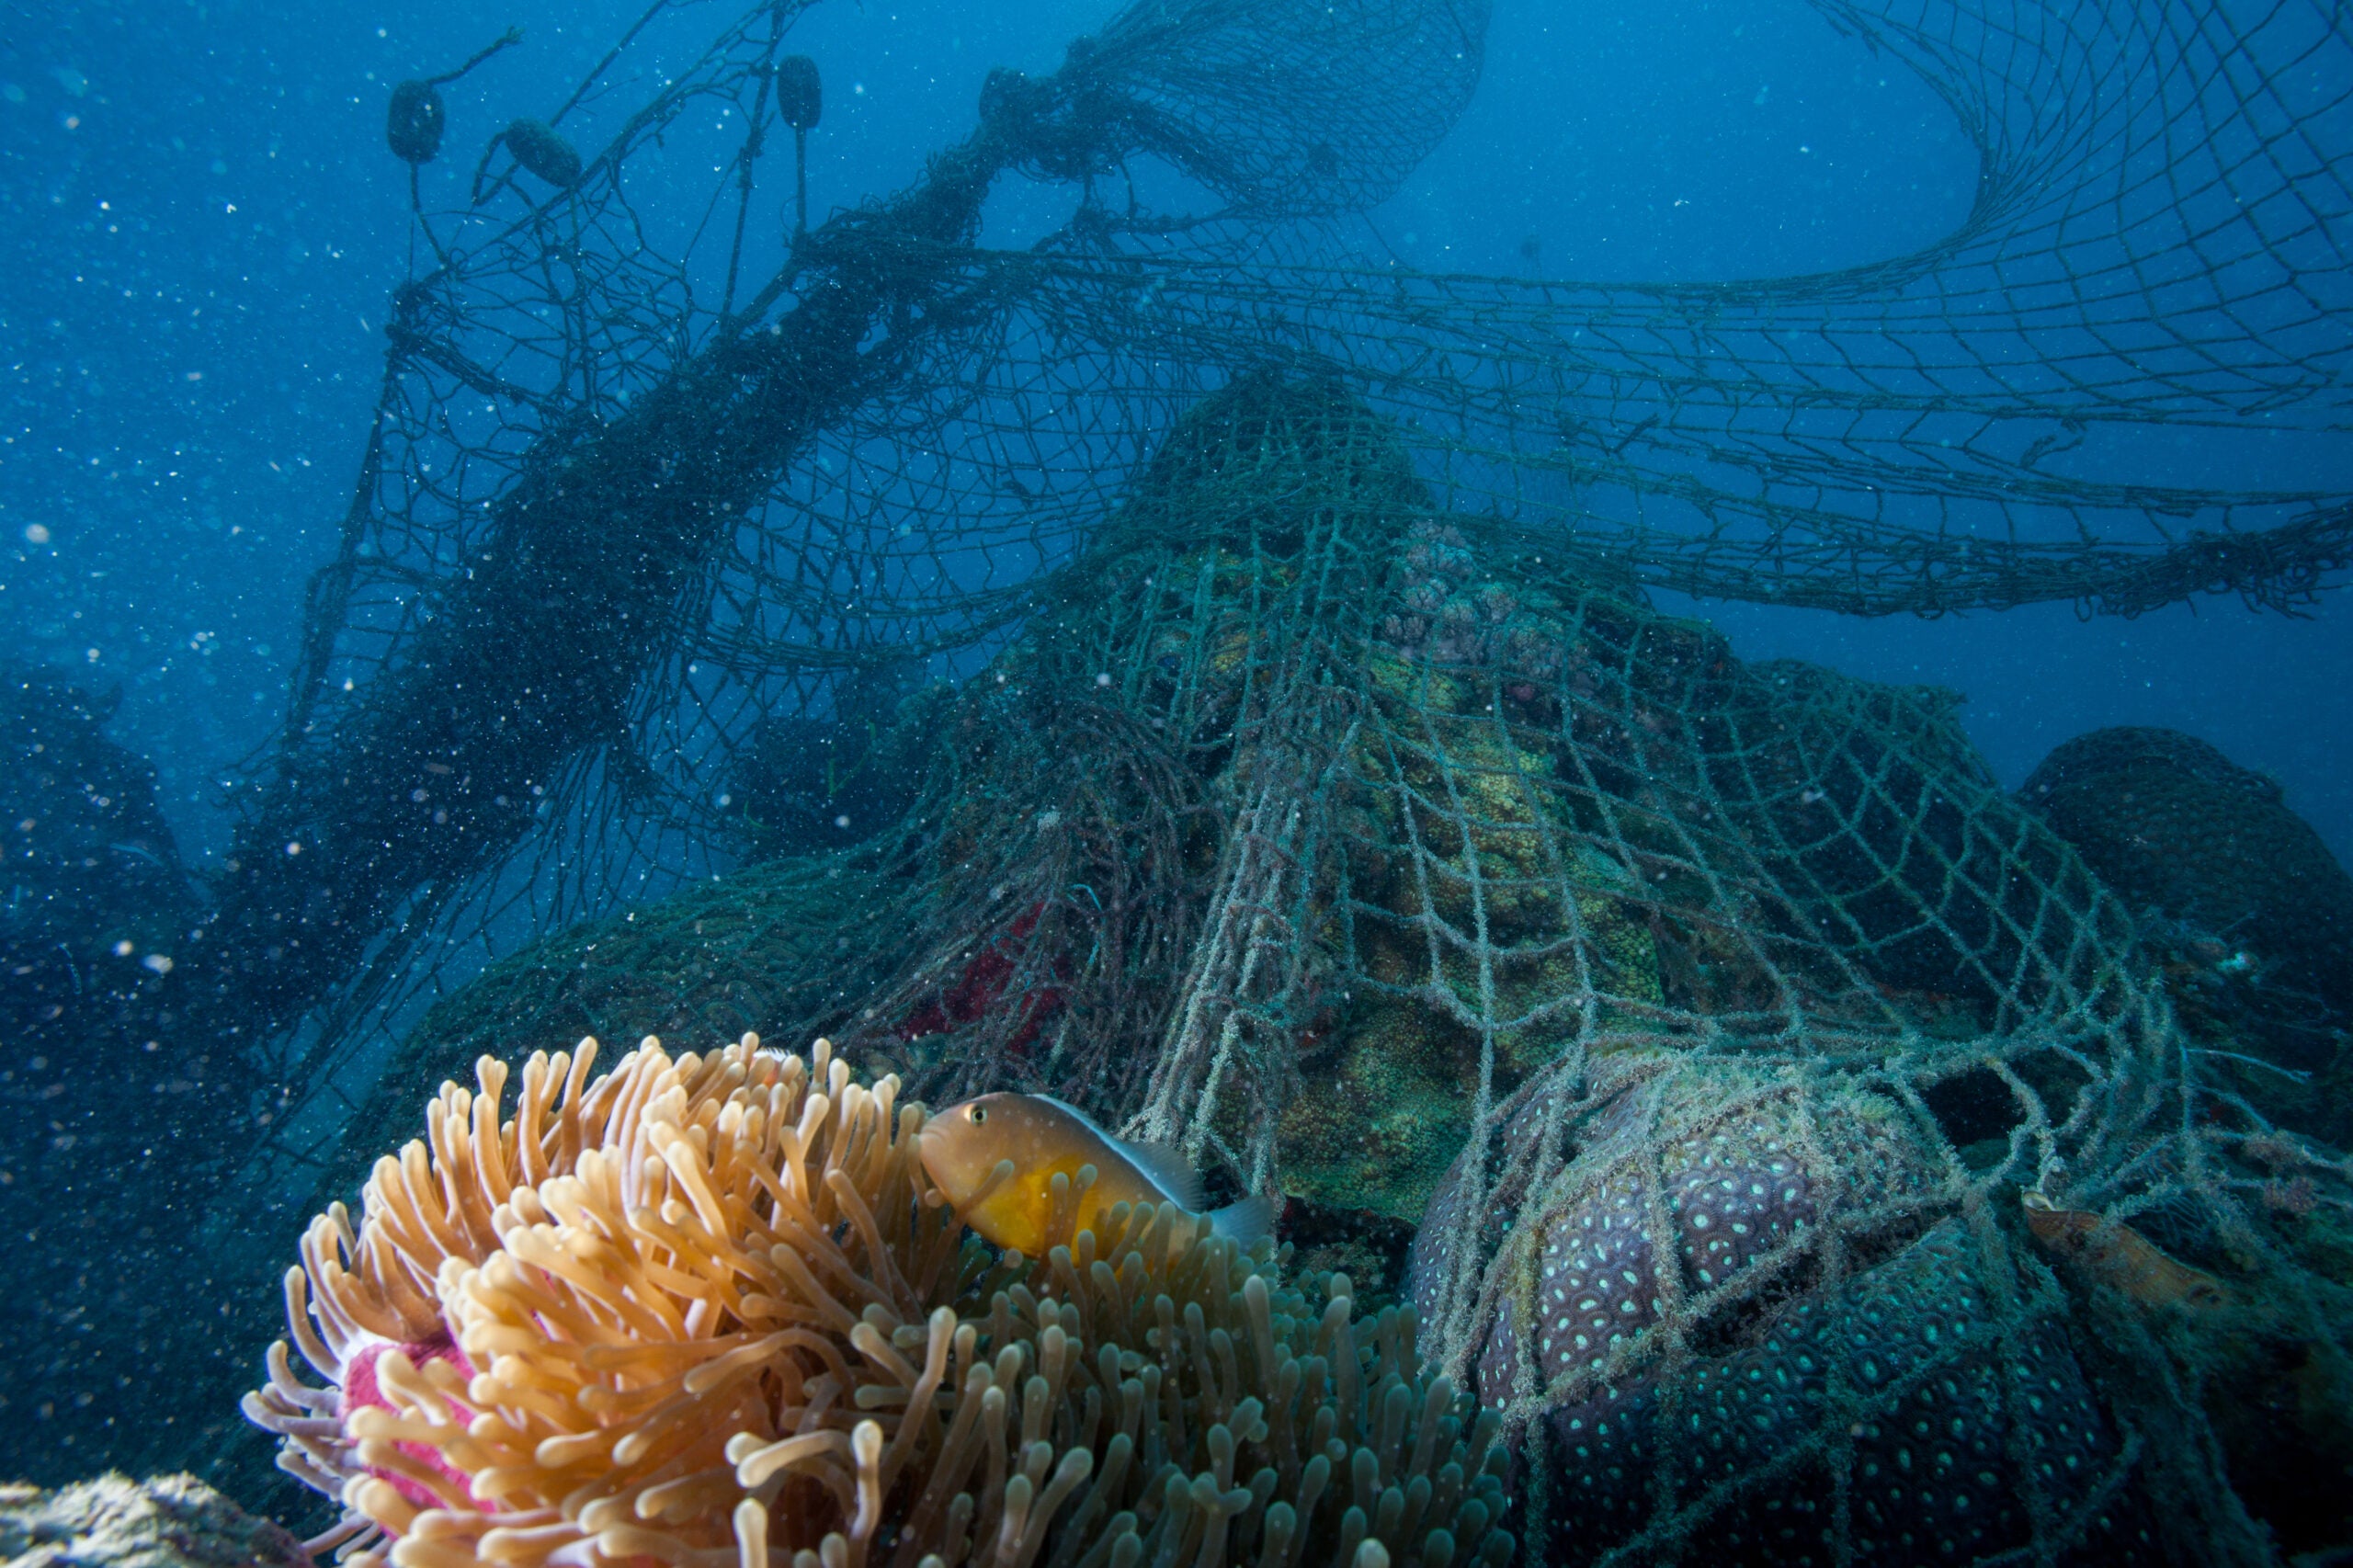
(2118, 1256)
(1043, 1137)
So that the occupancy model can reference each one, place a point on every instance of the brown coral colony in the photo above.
(709, 1310)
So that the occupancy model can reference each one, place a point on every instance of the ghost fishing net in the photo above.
(590, 437)
(1787, 1112)
(1191, 669)
(624, 511)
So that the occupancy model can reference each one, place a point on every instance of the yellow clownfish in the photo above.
(962, 1146)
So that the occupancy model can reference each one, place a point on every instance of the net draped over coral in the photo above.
(1193, 670)
(649, 483)
(1709, 1017)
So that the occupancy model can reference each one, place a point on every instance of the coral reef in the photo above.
(98, 909)
(91, 860)
(168, 1521)
(1684, 1178)
(1956, 1437)
(97, 1110)
(770, 944)
(1360, 815)
(1372, 859)
(2175, 826)
(710, 1310)
(607, 583)
(1762, 1312)
(1387, 1107)
(2248, 911)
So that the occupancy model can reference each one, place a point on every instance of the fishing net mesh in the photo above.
(1710, 1018)
(1202, 668)
(650, 480)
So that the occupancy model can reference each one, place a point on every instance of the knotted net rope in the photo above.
(621, 509)
(1332, 712)
(1710, 1018)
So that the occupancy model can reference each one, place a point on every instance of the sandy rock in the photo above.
(168, 1521)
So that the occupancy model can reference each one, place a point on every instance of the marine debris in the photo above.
(1287, 760)
(562, 626)
(1703, 1015)
(417, 118)
(536, 147)
(800, 103)
(1544, 921)
(517, 670)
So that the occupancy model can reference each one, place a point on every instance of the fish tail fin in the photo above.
(1248, 1221)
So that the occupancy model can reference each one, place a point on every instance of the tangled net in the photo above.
(621, 517)
(1241, 712)
(1708, 1017)
(711, 1310)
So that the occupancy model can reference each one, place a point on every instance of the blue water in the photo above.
(199, 229)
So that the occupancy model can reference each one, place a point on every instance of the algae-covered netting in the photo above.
(652, 480)
(1710, 1018)
(1193, 667)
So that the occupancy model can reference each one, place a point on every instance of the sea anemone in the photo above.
(711, 1311)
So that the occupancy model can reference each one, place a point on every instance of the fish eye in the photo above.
(980, 1114)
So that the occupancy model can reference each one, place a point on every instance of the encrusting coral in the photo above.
(112, 1521)
(711, 1311)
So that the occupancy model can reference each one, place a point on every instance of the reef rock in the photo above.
(167, 1521)
(97, 900)
(2173, 825)
(2239, 899)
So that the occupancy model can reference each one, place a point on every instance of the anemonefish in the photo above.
(961, 1146)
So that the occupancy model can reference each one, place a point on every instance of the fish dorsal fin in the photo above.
(1165, 1167)
(1075, 1114)
(1168, 1170)
(1246, 1221)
